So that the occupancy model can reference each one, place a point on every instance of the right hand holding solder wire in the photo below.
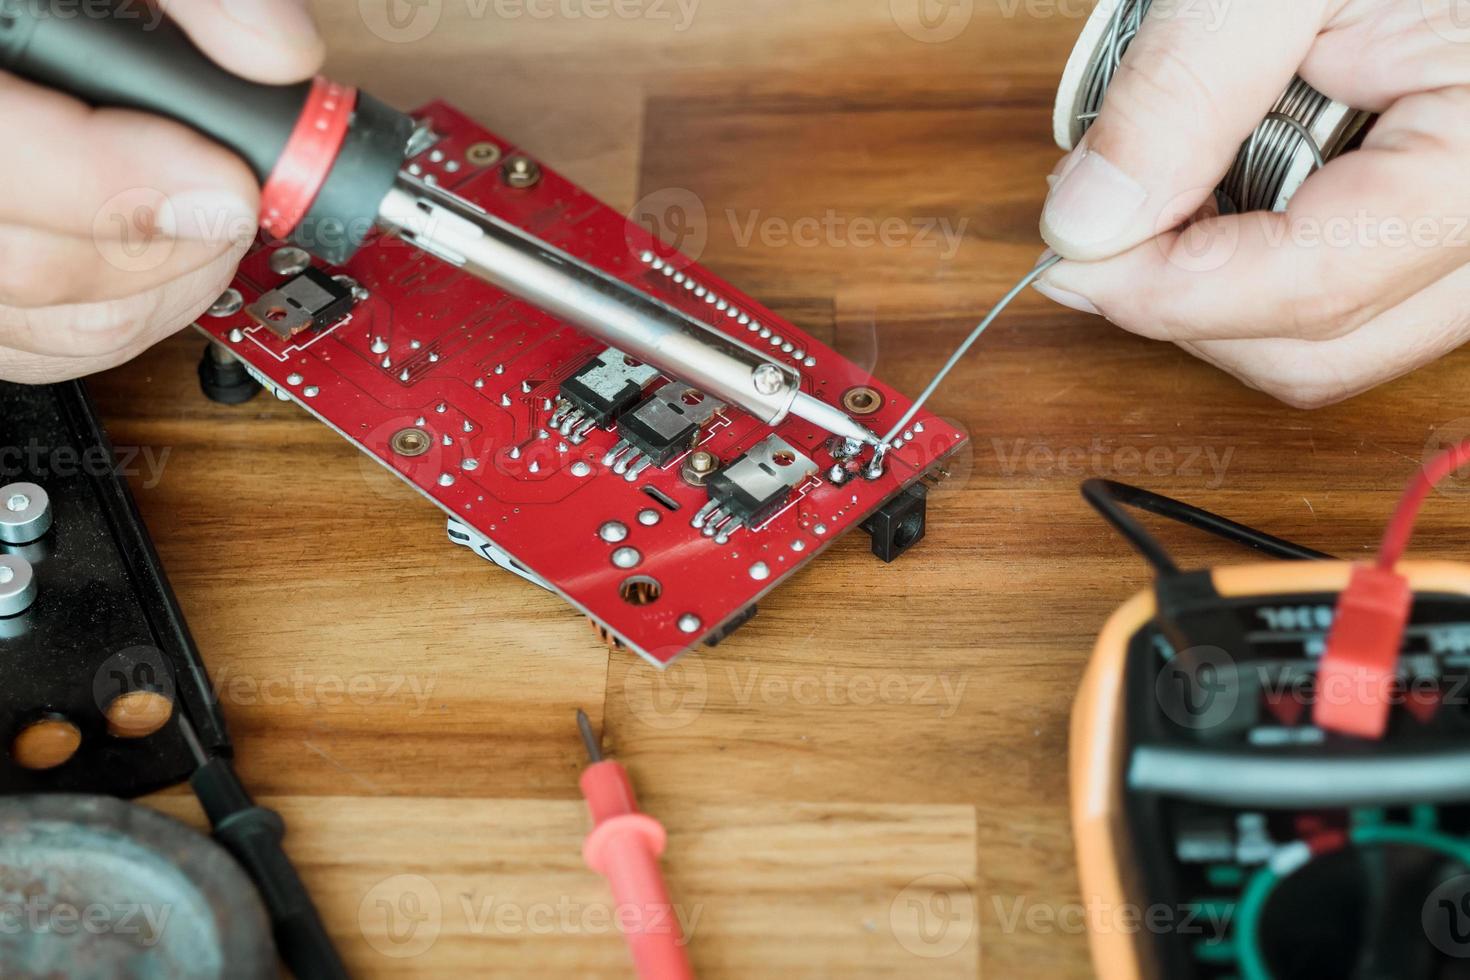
(1364, 278)
(118, 228)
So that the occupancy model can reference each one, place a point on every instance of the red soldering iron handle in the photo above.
(625, 850)
(117, 53)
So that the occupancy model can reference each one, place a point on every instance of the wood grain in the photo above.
(759, 886)
(411, 710)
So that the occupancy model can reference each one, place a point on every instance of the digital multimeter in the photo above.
(1270, 764)
(1221, 833)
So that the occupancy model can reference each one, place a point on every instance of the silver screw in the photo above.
(768, 379)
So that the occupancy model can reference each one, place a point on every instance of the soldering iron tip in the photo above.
(594, 745)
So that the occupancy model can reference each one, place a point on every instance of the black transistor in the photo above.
(660, 428)
(309, 299)
(754, 487)
(600, 390)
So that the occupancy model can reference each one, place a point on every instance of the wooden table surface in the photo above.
(869, 779)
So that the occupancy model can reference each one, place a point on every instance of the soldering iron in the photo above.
(329, 160)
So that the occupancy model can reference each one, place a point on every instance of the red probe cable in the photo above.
(1401, 528)
(624, 847)
(1356, 677)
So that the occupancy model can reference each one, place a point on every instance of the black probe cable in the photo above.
(253, 834)
(1108, 498)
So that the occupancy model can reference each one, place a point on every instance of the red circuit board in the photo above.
(433, 349)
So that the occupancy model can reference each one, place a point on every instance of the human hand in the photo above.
(119, 228)
(1365, 277)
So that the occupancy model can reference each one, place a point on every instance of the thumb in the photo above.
(1194, 84)
(273, 41)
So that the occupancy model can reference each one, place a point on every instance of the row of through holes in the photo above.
(52, 740)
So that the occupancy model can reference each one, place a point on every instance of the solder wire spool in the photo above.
(1303, 130)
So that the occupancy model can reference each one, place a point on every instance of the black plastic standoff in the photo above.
(899, 523)
(223, 378)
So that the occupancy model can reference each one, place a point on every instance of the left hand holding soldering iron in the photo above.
(119, 227)
(1365, 277)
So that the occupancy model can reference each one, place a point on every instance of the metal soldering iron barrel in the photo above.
(830, 418)
(605, 307)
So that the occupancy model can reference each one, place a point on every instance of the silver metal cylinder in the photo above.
(607, 308)
(17, 585)
(25, 513)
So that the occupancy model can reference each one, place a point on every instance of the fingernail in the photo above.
(286, 20)
(1067, 164)
(1067, 298)
(204, 216)
(1091, 203)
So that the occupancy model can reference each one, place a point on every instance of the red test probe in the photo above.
(1358, 670)
(624, 847)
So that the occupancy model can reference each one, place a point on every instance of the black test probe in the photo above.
(253, 834)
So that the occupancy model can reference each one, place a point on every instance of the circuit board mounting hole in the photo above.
(482, 154)
(640, 590)
(862, 400)
(410, 442)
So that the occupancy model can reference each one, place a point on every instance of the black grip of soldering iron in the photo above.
(120, 53)
(253, 835)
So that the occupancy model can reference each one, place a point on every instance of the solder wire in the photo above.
(1254, 182)
(964, 349)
